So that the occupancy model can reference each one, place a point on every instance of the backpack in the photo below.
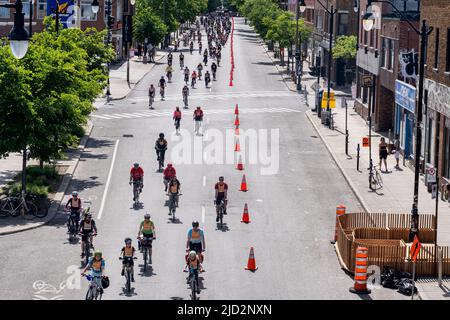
(105, 282)
(405, 286)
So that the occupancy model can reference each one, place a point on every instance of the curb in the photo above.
(333, 155)
(136, 83)
(53, 210)
(276, 66)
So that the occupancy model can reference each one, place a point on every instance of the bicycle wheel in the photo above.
(3, 212)
(28, 210)
(145, 258)
(128, 284)
(13, 207)
(193, 288)
(89, 294)
(379, 180)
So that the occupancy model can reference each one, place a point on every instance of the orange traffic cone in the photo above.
(244, 184)
(237, 146)
(240, 166)
(231, 83)
(236, 131)
(245, 216)
(236, 121)
(236, 109)
(251, 264)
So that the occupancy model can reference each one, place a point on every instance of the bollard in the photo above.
(340, 210)
(357, 157)
(360, 272)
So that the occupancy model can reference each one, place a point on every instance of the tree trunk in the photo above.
(41, 164)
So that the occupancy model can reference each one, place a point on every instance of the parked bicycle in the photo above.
(375, 180)
(21, 205)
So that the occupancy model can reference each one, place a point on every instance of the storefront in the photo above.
(405, 104)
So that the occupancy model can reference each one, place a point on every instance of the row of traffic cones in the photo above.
(251, 263)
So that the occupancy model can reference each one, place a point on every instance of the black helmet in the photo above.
(127, 240)
(195, 224)
(161, 135)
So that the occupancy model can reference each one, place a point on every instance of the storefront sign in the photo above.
(405, 95)
(438, 97)
(409, 64)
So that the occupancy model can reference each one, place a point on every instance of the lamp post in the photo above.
(56, 12)
(331, 12)
(31, 18)
(127, 21)
(425, 30)
(301, 7)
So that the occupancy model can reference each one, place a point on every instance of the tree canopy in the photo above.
(345, 47)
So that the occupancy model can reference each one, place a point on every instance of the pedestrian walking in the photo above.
(139, 50)
(383, 152)
(397, 150)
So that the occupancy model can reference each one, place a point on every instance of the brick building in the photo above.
(308, 17)
(121, 10)
(436, 142)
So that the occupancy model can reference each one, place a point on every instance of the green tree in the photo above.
(345, 48)
(261, 14)
(146, 24)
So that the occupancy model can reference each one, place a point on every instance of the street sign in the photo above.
(332, 100)
(431, 172)
(415, 249)
(365, 142)
(367, 81)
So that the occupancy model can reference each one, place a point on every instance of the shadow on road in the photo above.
(147, 273)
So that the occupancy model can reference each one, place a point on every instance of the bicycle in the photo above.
(87, 247)
(160, 160)
(94, 292)
(16, 206)
(220, 207)
(73, 224)
(186, 78)
(136, 191)
(193, 83)
(193, 283)
(146, 246)
(375, 180)
(161, 92)
(173, 204)
(128, 272)
(181, 64)
(169, 76)
(151, 99)
(185, 100)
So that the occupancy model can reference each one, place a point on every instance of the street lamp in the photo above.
(331, 12)
(301, 6)
(368, 23)
(95, 6)
(18, 37)
(133, 2)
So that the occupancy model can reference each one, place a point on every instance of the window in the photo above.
(86, 11)
(391, 54)
(119, 11)
(447, 52)
(41, 9)
(26, 8)
(387, 53)
(4, 12)
(436, 50)
(343, 24)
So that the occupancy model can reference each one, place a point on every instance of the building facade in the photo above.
(436, 151)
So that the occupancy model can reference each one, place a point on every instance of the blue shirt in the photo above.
(197, 237)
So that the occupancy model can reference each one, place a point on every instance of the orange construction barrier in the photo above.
(237, 145)
(236, 109)
(340, 210)
(240, 166)
(236, 121)
(251, 264)
(245, 216)
(360, 271)
(243, 184)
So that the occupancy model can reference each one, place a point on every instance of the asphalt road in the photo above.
(292, 210)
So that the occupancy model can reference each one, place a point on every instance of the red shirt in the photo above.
(177, 114)
(169, 173)
(198, 114)
(136, 173)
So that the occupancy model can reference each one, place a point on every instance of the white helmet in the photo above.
(192, 254)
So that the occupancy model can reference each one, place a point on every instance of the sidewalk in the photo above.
(396, 196)
(138, 69)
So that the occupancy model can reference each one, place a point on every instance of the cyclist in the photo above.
(205, 57)
(151, 95)
(200, 45)
(200, 68)
(191, 47)
(207, 78)
(168, 174)
(181, 60)
(198, 118)
(147, 231)
(221, 193)
(87, 229)
(196, 240)
(75, 208)
(193, 262)
(169, 58)
(214, 70)
(137, 176)
(185, 92)
(97, 266)
(186, 74)
(161, 147)
(193, 78)
(169, 71)
(177, 118)
(162, 85)
(174, 188)
(127, 253)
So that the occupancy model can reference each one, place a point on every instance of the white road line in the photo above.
(101, 117)
(131, 115)
(105, 192)
(203, 214)
(122, 115)
(111, 116)
(204, 181)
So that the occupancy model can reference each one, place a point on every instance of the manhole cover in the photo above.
(128, 136)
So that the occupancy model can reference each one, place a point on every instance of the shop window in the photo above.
(4, 12)
(41, 9)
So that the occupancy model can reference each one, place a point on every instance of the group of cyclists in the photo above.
(217, 29)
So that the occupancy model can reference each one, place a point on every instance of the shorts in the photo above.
(220, 197)
(383, 154)
(197, 247)
(397, 154)
(85, 234)
(128, 260)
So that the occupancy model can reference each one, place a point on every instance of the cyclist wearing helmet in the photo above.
(97, 266)
(196, 240)
(75, 208)
(147, 230)
(127, 253)
(221, 191)
(168, 173)
(161, 147)
(87, 229)
(193, 263)
(137, 176)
